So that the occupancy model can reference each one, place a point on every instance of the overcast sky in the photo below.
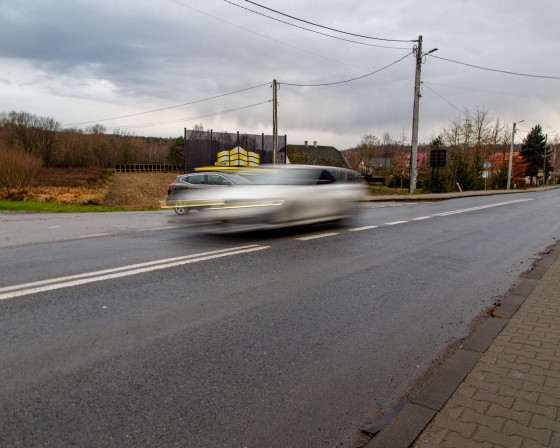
(84, 62)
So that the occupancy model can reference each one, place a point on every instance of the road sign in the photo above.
(438, 158)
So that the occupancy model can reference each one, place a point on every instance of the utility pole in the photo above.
(511, 154)
(544, 162)
(274, 122)
(415, 117)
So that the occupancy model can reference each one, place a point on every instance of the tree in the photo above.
(47, 131)
(18, 169)
(433, 179)
(176, 153)
(533, 150)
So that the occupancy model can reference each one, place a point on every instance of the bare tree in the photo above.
(47, 132)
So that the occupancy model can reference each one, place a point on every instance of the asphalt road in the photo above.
(132, 329)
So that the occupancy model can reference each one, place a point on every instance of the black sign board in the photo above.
(438, 158)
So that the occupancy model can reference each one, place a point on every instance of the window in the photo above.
(194, 179)
(217, 179)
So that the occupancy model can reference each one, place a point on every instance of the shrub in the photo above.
(18, 170)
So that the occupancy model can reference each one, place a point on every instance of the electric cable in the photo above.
(198, 117)
(167, 108)
(497, 92)
(441, 97)
(494, 69)
(314, 31)
(347, 80)
(329, 28)
(262, 35)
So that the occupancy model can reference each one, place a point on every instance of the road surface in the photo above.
(133, 329)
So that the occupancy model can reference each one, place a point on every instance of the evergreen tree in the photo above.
(175, 154)
(533, 151)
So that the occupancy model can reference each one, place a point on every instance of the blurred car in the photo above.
(279, 196)
(183, 185)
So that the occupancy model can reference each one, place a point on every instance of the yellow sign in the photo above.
(238, 157)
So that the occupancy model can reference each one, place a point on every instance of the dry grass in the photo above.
(139, 190)
(97, 186)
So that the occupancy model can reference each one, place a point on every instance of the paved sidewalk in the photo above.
(502, 388)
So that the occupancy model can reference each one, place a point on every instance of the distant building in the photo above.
(315, 155)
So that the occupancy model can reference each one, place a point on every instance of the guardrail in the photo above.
(147, 168)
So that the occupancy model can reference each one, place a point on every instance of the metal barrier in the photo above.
(146, 168)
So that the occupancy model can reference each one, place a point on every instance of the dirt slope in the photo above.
(138, 189)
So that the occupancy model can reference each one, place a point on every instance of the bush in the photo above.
(18, 170)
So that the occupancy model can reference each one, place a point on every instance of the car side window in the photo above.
(325, 178)
(195, 179)
(216, 179)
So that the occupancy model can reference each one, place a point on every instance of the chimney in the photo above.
(306, 143)
(315, 143)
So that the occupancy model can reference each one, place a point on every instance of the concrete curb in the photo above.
(403, 430)
(454, 195)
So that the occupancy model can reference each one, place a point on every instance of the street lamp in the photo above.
(511, 154)
(416, 115)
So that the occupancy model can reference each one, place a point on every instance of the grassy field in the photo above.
(53, 207)
(90, 190)
(78, 190)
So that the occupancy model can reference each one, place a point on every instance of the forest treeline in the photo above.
(45, 139)
(476, 150)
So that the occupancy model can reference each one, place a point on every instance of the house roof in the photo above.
(316, 155)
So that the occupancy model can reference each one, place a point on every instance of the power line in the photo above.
(441, 97)
(198, 117)
(329, 28)
(347, 80)
(494, 69)
(262, 35)
(167, 108)
(497, 92)
(314, 31)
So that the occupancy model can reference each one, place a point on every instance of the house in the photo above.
(315, 155)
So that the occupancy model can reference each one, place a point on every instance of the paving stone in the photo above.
(506, 402)
(522, 417)
(507, 391)
(454, 440)
(484, 434)
(533, 408)
(541, 436)
(470, 403)
(495, 423)
(540, 422)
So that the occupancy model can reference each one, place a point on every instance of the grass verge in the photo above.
(53, 207)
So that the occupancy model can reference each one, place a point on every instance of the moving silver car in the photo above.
(277, 196)
(184, 184)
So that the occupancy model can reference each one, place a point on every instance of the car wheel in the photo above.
(181, 210)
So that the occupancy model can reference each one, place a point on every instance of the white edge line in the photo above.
(122, 268)
(93, 235)
(124, 274)
(359, 229)
(313, 237)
